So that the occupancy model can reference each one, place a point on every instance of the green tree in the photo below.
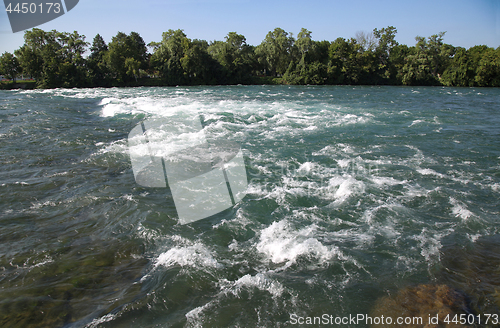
(311, 63)
(488, 69)
(440, 53)
(397, 61)
(132, 65)
(304, 42)
(417, 69)
(31, 54)
(72, 69)
(138, 49)
(199, 66)
(168, 54)
(9, 66)
(53, 58)
(476, 53)
(276, 51)
(120, 48)
(98, 71)
(427, 61)
(460, 71)
(118, 51)
(235, 57)
(385, 44)
(338, 54)
(386, 41)
(182, 61)
(98, 49)
(349, 64)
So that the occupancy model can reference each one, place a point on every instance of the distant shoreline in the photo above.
(152, 82)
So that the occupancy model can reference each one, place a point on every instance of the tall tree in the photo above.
(98, 71)
(98, 49)
(276, 51)
(348, 64)
(488, 70)
(72, 70)
(386, 42)
(53, 58)
(9, 66)
(310, 65)
(235, 57)
(31, 54)
(460, 71)
(304, 42)
(427, 61)
(124, 46)
(397, 61)
(198, 66)
(168, 54)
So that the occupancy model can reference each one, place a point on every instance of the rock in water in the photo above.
(423, 301)
(475, 269)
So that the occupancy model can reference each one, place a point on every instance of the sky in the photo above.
(466, 22)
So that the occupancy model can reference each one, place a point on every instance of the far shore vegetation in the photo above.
(58, 59)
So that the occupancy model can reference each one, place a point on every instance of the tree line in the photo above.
(56, 59)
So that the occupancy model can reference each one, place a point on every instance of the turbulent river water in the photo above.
(353, 194)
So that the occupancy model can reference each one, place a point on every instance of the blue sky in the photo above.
(467, 22)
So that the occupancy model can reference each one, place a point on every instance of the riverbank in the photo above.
(28, 85)
(143, 82)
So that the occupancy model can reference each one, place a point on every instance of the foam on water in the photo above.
(260, 281)
(387, 181)
(345, 187)
(229, 290)
(280, 243)
(430, 172)
(460, 210)
(196, 256)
